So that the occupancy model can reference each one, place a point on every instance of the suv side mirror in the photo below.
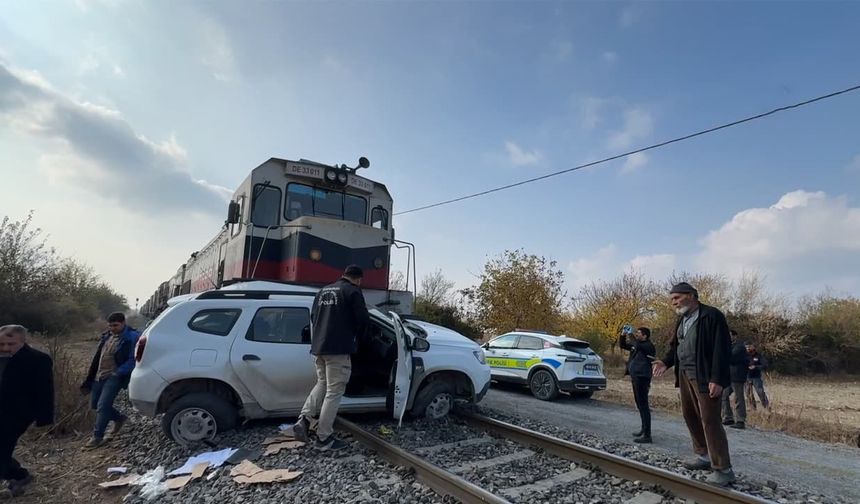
(420, 344)
(486, 345)
(233, 213)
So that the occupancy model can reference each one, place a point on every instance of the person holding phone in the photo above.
(642, 354)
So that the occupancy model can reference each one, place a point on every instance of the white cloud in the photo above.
(803, 242)
(638, 125)
(93, 147)
(610, 57)
(657, 266)
(602, 264)
(97, 56)
(634, 162)
(606, 263)
(519, 157)
(629, 16)
(217, 51)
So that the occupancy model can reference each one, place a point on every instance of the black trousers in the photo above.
(641, 388)
(10, 469)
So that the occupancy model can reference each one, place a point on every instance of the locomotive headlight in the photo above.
(316, 255)
(378, 263)
(341, 177)
(330, 175)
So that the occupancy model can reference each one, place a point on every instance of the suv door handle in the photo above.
(250, 357)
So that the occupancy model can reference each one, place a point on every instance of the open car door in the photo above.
(403, 373)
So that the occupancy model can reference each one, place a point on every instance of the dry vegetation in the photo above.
(820, 409)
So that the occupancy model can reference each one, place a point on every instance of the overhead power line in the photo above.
(643, 149)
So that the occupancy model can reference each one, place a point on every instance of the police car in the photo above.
(547, 364)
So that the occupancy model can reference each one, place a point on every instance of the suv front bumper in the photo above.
(582, 384)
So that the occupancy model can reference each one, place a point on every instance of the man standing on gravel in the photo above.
(110, 371)
(26, 396)
(738, 366)
(757, 363)
(700, 351)
(339, 318)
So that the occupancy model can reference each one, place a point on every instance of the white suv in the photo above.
(547, 364)
(243, 351)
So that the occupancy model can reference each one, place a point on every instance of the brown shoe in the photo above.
(94, 443)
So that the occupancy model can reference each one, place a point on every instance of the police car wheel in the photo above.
(543, 386)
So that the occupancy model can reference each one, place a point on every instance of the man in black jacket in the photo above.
(26, 396)
(642, 353)
(339, 318)
(738, 367)
(757, 364)
(700, 351)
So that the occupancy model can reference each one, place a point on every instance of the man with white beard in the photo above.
(700, 351)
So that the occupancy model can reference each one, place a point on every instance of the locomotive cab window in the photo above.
(379, 218)
(314, 201)
(264, 209)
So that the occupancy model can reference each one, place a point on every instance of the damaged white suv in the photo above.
(243, 352)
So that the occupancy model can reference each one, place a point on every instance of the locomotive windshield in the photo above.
(314, 201)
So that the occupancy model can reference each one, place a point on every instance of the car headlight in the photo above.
(479, 354)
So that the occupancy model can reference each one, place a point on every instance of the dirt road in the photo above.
(789, 461)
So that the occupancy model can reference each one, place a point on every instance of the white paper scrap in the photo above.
(215, 459)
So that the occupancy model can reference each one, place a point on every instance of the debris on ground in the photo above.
(152, 486)
(213, 458)
(248, 473)
(127, 480)
(179, 482)
(117, 470)
(275, 448)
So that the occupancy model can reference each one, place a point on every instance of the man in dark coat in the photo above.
(26, 396)
(700, 352)
(738, 367)
(642, 353)
(339, 318)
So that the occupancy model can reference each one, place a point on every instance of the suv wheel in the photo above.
(435, 400)
(543, 386)
(196, 417)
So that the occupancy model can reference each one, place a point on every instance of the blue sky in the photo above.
(122, 123)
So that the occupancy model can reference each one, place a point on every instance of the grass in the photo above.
(820, 409)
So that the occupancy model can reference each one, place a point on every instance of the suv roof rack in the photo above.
(251, 294)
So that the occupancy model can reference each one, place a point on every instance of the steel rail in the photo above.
(631, 470)
(441, 481)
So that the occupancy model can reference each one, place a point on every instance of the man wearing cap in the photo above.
(700, 351)
(339, 318)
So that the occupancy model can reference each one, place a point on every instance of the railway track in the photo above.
(497, 437)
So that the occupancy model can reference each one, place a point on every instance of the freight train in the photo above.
(299, 222)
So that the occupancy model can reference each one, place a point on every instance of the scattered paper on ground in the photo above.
(130, 479)
(179, 482)
(117, 470)
(385, 430)
(246, 468)
(274, 449)
(214, 459)
(249, 473)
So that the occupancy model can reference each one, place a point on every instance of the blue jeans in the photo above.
(103, 395)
